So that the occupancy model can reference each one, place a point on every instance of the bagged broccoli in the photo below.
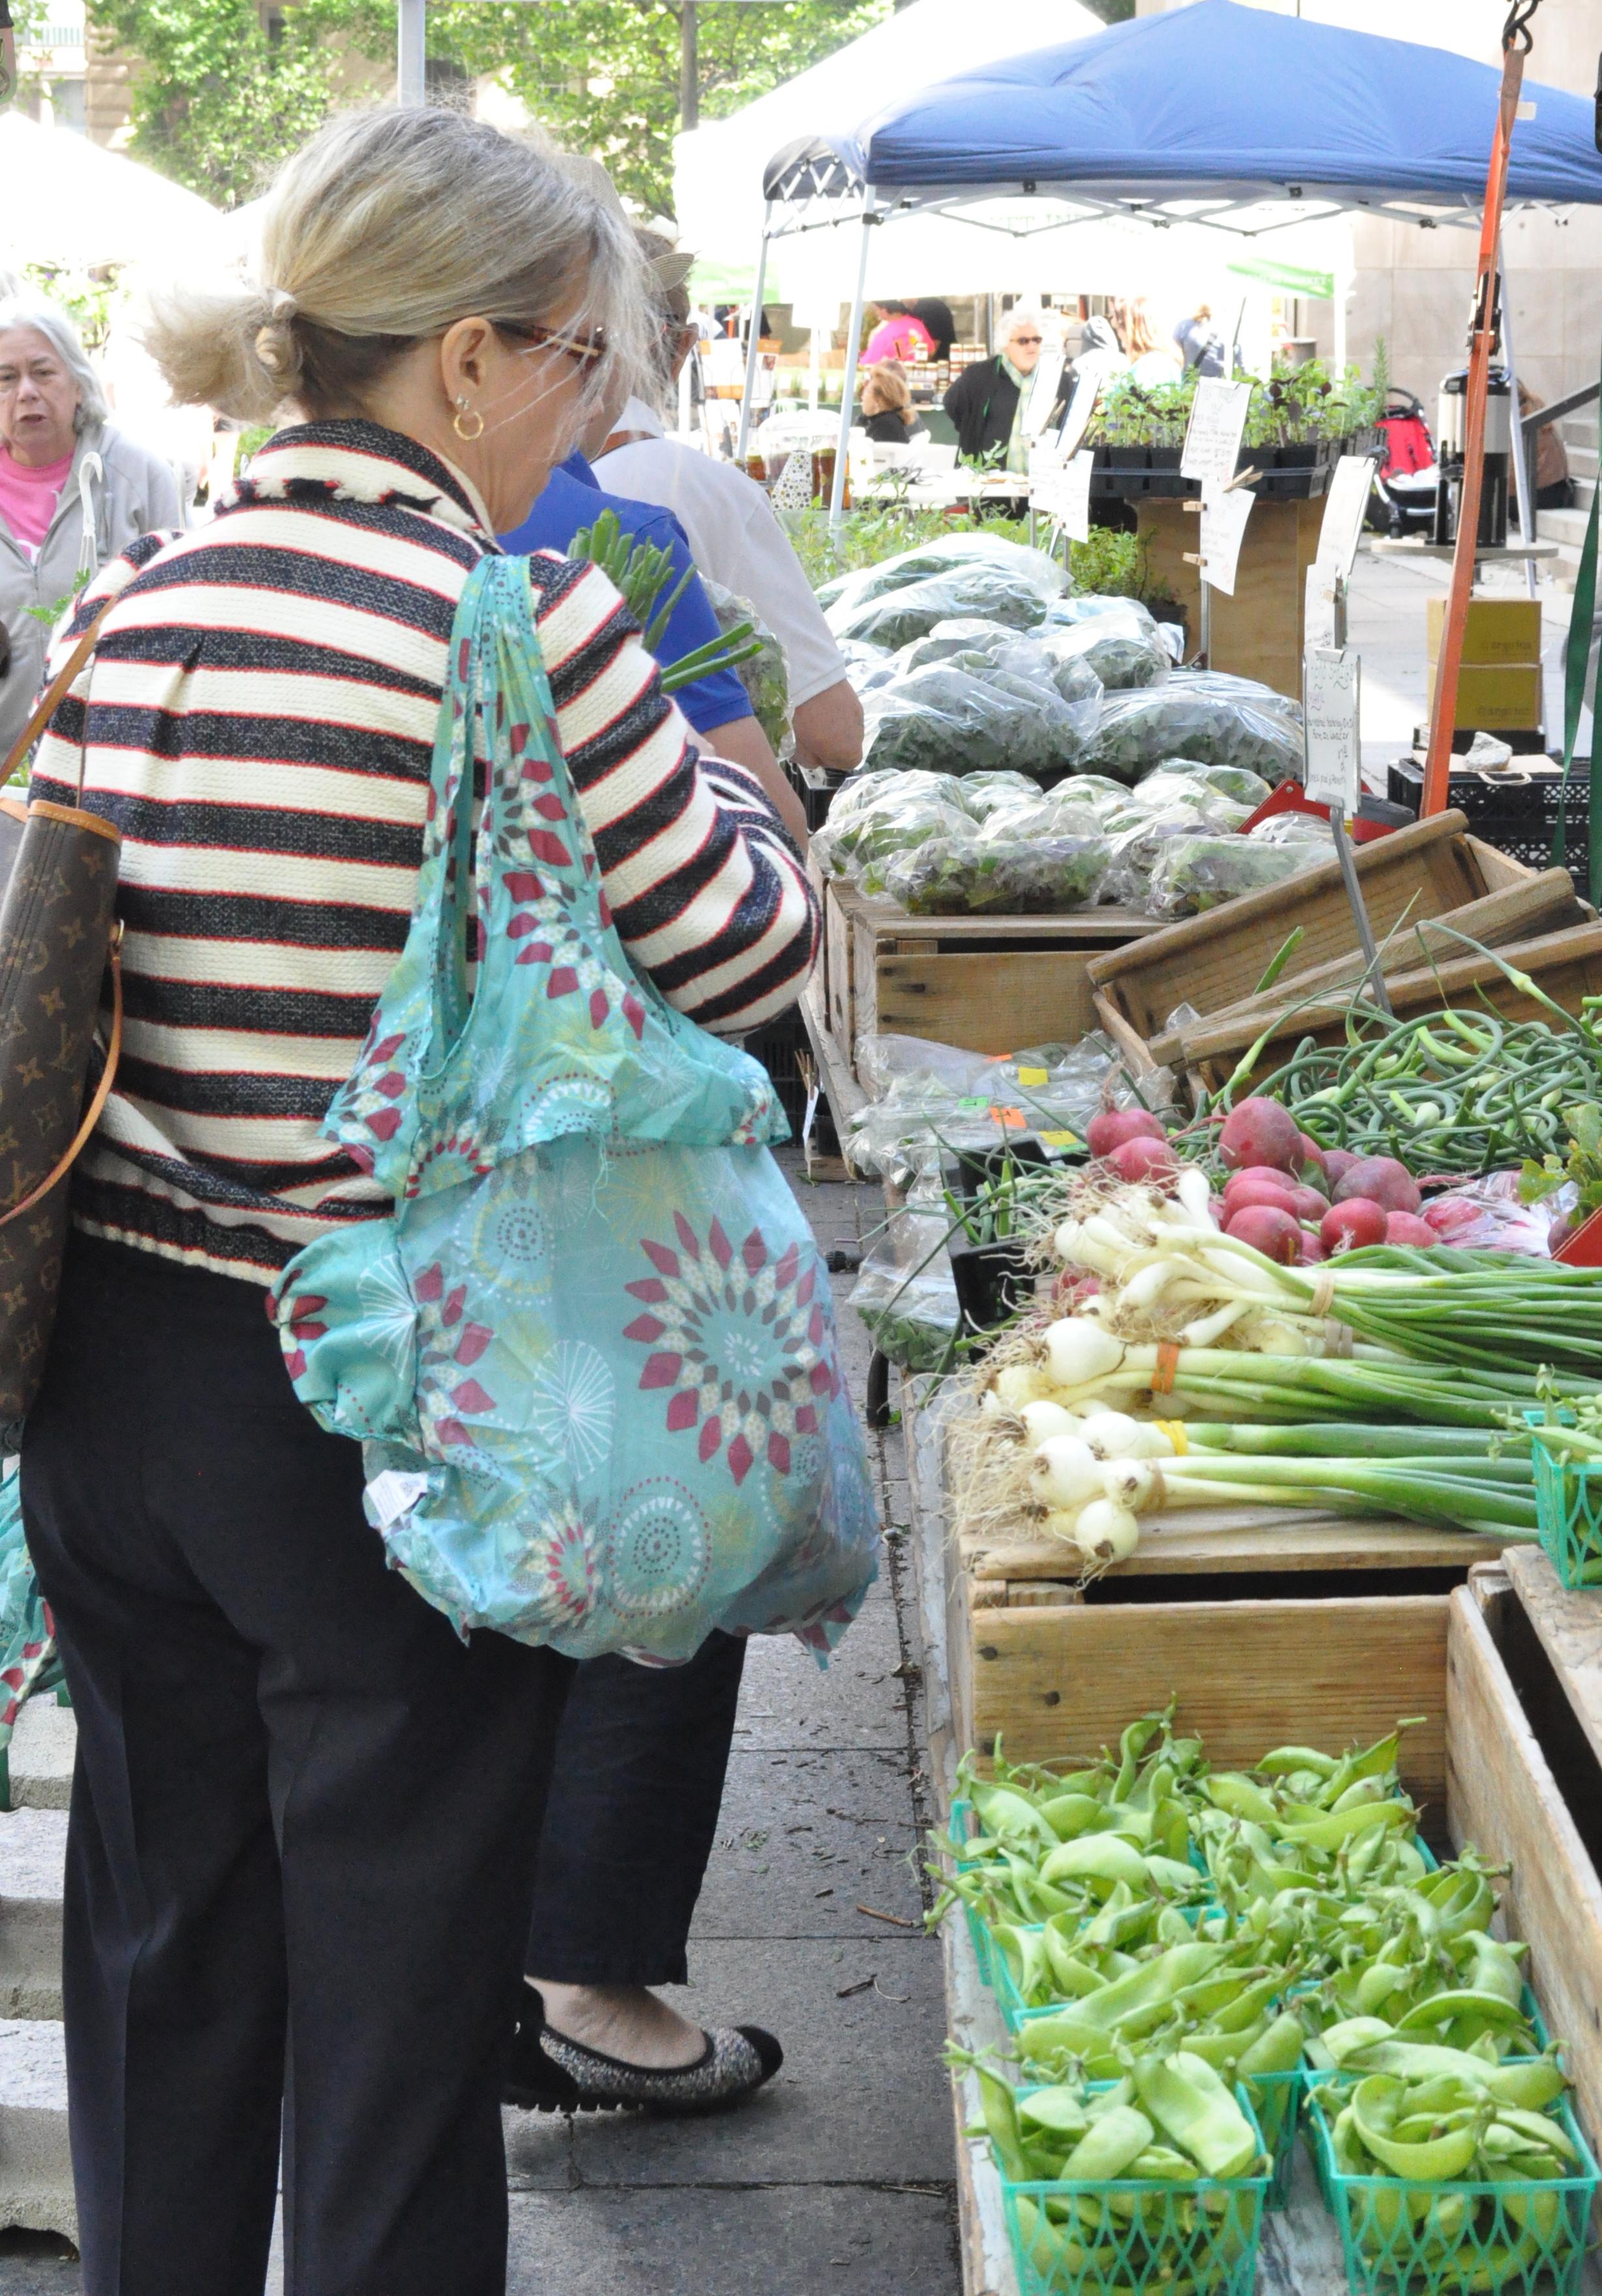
(951, 720)
(984, 593)
(1122, 649)
(964, 633)
(998, 877)
(951, 552)
(1141, 731)
(766, 676)
(1202, 873)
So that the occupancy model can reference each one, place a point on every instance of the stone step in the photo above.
(44, 1743)
(33, 1855)
(36, 2160)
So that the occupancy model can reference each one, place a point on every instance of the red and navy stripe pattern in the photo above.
(259, 722)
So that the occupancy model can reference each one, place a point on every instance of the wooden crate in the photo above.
(1525, 911)
(987, 984)
(1218, 958)
(1567, 965)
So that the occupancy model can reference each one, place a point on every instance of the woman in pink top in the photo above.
(73, 491)
(900, 335)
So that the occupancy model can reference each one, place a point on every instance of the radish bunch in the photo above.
(1298, 1203)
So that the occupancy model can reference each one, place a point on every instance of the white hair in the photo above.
(386, 228)
(49, 320)
(1024, 316)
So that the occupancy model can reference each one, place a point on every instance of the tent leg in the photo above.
(1524, 473)
(848, 387)
(754, 347)
(411, 60)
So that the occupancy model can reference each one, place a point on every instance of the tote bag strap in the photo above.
(52, 697)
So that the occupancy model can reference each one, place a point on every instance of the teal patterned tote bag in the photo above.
(592, 1352)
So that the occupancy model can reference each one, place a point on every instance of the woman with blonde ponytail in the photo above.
(305, 1810)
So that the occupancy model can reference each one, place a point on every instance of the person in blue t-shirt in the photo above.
(715, 705)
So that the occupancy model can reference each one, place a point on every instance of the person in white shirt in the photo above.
(734, 536)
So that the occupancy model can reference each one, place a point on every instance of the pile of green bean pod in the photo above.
(1453, 1092)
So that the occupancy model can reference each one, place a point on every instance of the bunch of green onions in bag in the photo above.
(639, 571)
(1140, 2161)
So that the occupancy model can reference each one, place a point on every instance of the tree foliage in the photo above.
(219, 101)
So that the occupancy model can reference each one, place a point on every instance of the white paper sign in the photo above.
(1346, 506)
(1224, 515)
(1332, 690)
(1042, 393)
(1318, 624)
(1217, 421)
(1062, 491)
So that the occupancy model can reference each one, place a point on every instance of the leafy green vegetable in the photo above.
(1202, 873)
(945, 877)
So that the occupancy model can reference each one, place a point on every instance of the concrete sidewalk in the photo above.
(838, 2179)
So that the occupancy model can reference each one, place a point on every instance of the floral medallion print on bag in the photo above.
(592, 1348)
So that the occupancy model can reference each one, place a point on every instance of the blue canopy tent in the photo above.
(1216, 114)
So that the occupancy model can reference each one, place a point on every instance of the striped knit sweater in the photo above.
(260, 720)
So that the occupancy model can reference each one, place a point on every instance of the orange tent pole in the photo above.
(1437, 770)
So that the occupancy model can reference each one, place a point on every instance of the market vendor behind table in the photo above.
(986, 401)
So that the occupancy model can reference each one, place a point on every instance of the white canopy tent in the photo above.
(64, 201)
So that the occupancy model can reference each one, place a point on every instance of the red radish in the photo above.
(1313, 1251)
(1407, 1227)
(1337, 1163)
(1268, 1230)
(1276, 1188)
(1144, 1159)
(1274, 1172)
(1114, 1126)
(1311, 1153)
(1260, 1132)
(1383, 1181)
(1309, 1204)
(1353, 1225)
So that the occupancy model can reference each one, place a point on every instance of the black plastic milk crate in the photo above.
(1517, 811)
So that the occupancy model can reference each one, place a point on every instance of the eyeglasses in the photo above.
(584, 351)
(1026, 339)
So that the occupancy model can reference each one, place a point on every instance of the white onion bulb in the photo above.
(1131, 1483)
(1020, 1384)
(1113, 1435)
(1041, 1421)
(1078, 1355)
(1107, 1532)
(1066, 1473)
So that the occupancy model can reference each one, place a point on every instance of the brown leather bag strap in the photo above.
(54, 694)
(102, 1090)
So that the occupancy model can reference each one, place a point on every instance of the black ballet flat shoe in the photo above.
(553, 2074)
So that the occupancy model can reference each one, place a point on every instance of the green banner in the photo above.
(1292, 278)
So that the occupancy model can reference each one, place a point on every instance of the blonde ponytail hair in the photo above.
(384, 230)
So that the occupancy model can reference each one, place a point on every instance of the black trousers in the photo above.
(303, 1824)
(632, 1815)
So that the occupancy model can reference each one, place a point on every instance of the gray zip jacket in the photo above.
(114, 491)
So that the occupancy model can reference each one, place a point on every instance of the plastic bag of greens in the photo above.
(941, 556)
(945, 719)
(885, 832)
(1089, 606)
(1058, 813)
(1237, 782)
(980, 591)
(766, 676)
(1305, 829)
(1106, 796)
(1137, 850)
(1202, 873)
(1122, 649)
(985, 795)
(962, 634)
(905, 1292)
(867, 666)
(1074, 680)
(1258, 705)
(1141, 731)
(873, 806)
(999, 876)
(1167, 794)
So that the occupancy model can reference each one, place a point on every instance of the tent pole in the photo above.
(754, 347)
(1524, 472)
(412, 47)
(1443, 718)
(853, 337)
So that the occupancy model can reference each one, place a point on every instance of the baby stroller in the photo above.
(1403, 497)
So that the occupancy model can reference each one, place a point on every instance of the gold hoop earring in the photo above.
(458, 422)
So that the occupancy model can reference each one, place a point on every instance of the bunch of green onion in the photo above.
(639, 571)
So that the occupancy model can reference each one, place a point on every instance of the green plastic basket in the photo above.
(963, 1825)
(1443, 2240)
(1123, 2239)
(1568, 1514)
(1276, 2099)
